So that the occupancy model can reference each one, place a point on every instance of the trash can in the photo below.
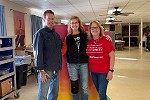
(21, 75)
(25, 70)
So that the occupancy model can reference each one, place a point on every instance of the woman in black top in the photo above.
(77, 60)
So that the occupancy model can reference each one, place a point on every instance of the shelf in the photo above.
(3, 37)
(6, 48)
(128, 36)
(7, 75)
(8, 95)
(7, 54)
(6, 61)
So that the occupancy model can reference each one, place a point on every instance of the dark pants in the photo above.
(101, 84)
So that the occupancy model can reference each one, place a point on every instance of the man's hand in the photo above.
(44, 76)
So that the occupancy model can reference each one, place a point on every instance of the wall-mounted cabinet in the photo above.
(134, 33)
(134, 30)
(109, 27)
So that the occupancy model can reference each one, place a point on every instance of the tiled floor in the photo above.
(132, 75)
(131, 78)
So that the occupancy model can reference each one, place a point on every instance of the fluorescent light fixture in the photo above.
(107, 22)
(36, 10)
(111, 11)
(87, 23)
(110, 19)
(64, 21)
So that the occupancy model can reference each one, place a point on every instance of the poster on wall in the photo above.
(19, 28)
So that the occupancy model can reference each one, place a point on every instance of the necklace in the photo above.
(94, 42)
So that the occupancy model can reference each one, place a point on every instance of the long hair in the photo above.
(101, 34)
(80, 24)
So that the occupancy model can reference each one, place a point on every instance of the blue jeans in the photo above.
(101, 84)
(74, 71)
(49, 90)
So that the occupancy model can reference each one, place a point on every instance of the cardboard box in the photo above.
(5, 87)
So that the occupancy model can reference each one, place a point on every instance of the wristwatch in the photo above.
(111, 70)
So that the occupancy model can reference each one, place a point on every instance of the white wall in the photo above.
(118, 28)
(10, 21)
(1, 2)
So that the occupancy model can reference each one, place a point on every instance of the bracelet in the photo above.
(111, 70)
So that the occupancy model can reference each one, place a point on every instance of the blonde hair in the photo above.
(101, 34)
(78, 20)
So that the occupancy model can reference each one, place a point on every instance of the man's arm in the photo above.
(38, 51)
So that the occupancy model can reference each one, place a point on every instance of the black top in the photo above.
(47, 49)
(76, 48)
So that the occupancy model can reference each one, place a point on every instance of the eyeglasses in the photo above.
(94, 28)
(74, 23)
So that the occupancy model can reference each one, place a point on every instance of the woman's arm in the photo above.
(112, 59)
(112, 63)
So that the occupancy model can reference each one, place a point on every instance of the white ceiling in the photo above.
(89, 10)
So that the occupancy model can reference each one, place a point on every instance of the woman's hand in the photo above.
(109, 75)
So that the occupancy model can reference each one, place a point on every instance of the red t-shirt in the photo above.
(98, 52)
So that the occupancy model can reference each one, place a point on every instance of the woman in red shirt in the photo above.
(101, 58)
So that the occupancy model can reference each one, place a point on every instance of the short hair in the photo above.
(48, 11)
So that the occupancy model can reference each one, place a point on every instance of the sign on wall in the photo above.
(19, 28)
